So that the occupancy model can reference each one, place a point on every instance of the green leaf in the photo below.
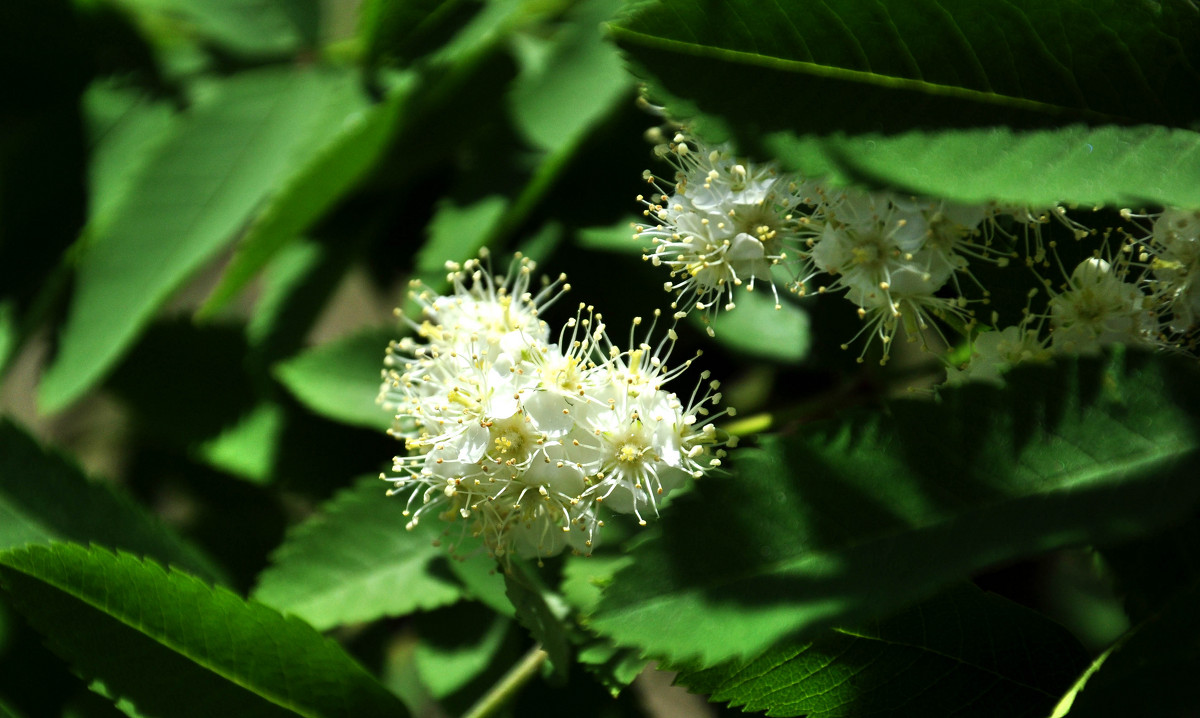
(457, 646)
(854, 518)
(7, 711)
(209, 652)
(397, 32)
(247, 448)
(541, 612)
(801, 64)
(483, 581)
(44, 497)
(1150, 671)
(619, 238)
(584, 579)
(844, 81)
(456, 233)
(334, 170)
(356, 562)
(1122, 166)
(126, 129)
(243, 137)
(340, 380)
(245, 27)
(760, 326)
(576, 84)
(963, 652)
(8, 333)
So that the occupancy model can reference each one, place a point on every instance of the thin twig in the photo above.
(506, 688)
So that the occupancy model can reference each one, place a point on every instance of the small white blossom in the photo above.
(724, 223)
(1175, 240)
(1098, 307)
(994, 352)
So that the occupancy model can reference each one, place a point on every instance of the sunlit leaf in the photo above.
(576, 83)
(247, 448)
(1134, 167)
(208, 652)
(458, 646)
(354, 561)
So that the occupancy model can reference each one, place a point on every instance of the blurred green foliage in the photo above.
(208, 211)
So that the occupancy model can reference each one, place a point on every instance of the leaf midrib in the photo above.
(830, 72)
(163, 641)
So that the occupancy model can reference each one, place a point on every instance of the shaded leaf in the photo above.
(963, 652)
(882, 68)
(340, 380)
(854, 518)
(762, 327)
(1137, 571)
(44, 497)
(327, 176)
(7, 711)
(355, 562)
(534, 610)
(209, 356)
(398, 32)
(800, 64)
(209, 652)
(244, 136)
(584, 579)
(454, 649)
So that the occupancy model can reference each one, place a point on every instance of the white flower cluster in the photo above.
(903, 261)
(1147, 295)
(523, 437)
(725, 222)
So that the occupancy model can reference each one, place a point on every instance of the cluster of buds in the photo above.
(523, 437)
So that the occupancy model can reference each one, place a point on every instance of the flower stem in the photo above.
(506, 688)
